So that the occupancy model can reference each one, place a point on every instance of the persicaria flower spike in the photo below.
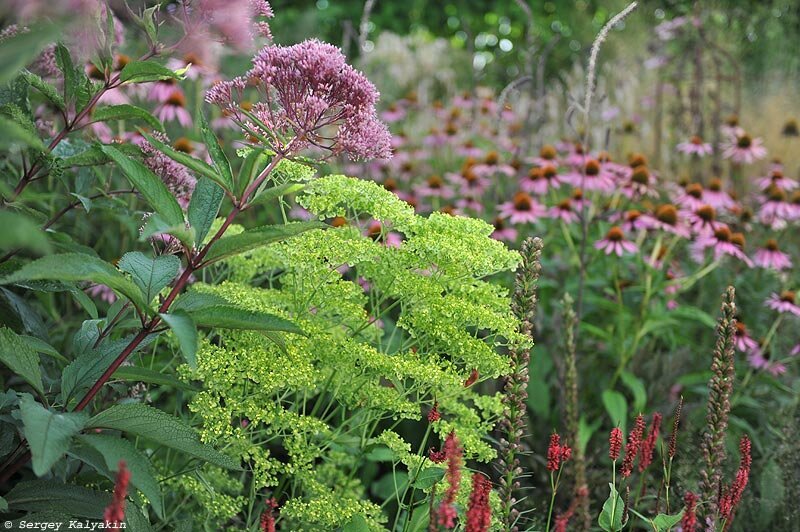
(615, 443)
(632, 447)
(311, 97)
(479, 513)
(268, 516)
(649, 444)
(446, 514)
(434, 415)
(557, 453)
(114, 514)
(689, 520)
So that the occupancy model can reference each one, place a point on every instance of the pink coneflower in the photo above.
(375, 231)
(633, 221)
(114, 513)
(771, 257)
(393, 113)
(479, 513)
(503, 231)
(744, 149)
(592, 177)
(548, 156)
(691, 197)
(102, 292)
(614, 443)
(161, 90)
(632, 447)
(541, 179)
(783, 303)
(435, 187)
(759, 360)
(639, 184)
(198, 67)
(522, 209)
(704, 220)
(446, 513)
(667, 218)
(268, 515)
(744, 342)
(695, 146)
(174, 108)
(491, 165)
(795, 351)
(615, 242)
(563, 211)
(722, 242)
(557, 453)
(576, 157)
(777, 179)
(715, 196)
(468, 205)
(775, 209)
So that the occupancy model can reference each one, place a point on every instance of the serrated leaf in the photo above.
(12, 133)
(617, 408)
(193, 300)
(149, 185)
(126, 112)
(257, 237)
(48, 495)
(204, 206)
(113, 450)
(153, 424)
(428, 477)
(217, 154)
(140, 71)
(151, 274)
(48, 434)
(40, 346)
(201, 167)
(186, 332)
(156, 225)
(139, 374)
(20, 232)
(17, 355)
(231, 317)
(78, 267)
(47, 90)
(610, 518)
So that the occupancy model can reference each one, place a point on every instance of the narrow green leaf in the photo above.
(48, 495)
(17, 355)
(637, 388)
(20, 232)
(12, 133)
(153, 424)
(40, 346)
(617, 408)
(140, 71)
(217, 154)
(230, 317)
(126, 112)
(48, 434)
(47, 90)
(139, 374)
(78, 267)
(194, 300)
(186, 332)
(257, 237)
(150, 274)
(115, 449)
(204, 206)
(201, 167)
(277, 192)
(149, 185)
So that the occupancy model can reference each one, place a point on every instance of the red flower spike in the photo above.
(615, 443)
(633, 446)
(649, 444)
(114, 514)
(268, 516)
(554, 452)
(446, 514)
(689, 520)
(479, 513)
(434, 415)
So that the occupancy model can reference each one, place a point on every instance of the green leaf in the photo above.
(139, 71)
(76, 84)
(610, 518)
(637, 388)
(230, 317)
(194, 300)
(617, 408)
(115, 449)
(201, 167)
(664, 522)
(390, 485)
(20, 232)
(126, 112)
(150, 274)
(357, 523)
(3, 505)
(147, 422)
(18, 356)
(78, 267)
(47, 90)
(277, 192)
(186, 332)
(204, 206)
(772, 491)
(156, 225)
(40, 346)
(257, 237)
(217, 155)
(48, 434)
(12, 133)
(90, 364)
(47, 495)
(585, 431)
(428, 477)
(22, 48)
(149, 185)
(139, 374)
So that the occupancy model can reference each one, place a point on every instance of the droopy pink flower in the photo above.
(615, 242)
(744, 149)
(521, 209)
(308, 92)
(174, 108)
(785, 302)
(771, 257)
(744, 342)
(695, 146)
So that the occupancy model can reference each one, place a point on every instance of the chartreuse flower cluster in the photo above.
(387, 330)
